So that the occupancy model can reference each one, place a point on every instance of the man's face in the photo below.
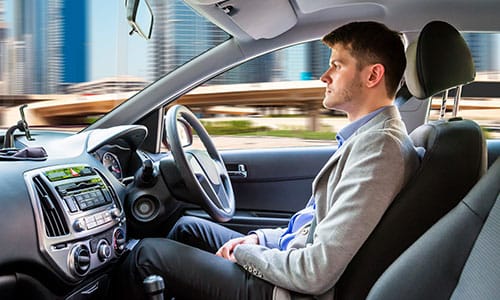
(343, 84)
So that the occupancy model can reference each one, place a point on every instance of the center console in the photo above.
(80, 220)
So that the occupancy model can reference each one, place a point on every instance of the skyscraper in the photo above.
(483, 50)
(306, 61)
(179, 34)
(53, 34)
(74, 41)
(3, 49)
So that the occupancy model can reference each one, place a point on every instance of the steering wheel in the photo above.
(203, 171)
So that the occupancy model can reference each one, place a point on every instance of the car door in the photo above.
(270, 184)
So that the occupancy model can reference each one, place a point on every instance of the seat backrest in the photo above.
(458, 258)
(454, 160)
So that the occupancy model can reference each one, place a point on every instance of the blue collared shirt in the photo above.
(306, 215)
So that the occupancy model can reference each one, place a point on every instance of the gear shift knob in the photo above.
(154, 286)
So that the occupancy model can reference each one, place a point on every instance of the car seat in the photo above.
(458, 258)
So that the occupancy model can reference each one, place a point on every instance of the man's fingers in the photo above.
(226, 251)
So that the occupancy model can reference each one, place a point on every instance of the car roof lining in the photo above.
(401, 15)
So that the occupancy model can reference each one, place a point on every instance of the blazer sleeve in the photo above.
(269, 237)
(373, 172)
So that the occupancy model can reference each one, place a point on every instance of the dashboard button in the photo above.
(91, 225)
(71, 203)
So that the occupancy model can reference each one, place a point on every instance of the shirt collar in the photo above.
(345, 133)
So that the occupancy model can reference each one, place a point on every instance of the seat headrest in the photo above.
(439, 60)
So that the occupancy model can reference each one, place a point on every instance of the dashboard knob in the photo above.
(79, 225)
(119, 241)
(114, 212)
(103, 250)
(80, 260)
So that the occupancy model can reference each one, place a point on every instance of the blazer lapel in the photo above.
(375, 123)
(333, 160)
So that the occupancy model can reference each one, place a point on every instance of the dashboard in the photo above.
(64, 218)
(115, 158)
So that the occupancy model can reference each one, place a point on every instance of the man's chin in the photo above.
(329, 105)
(333, 107)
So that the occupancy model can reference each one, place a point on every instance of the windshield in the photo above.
(73, 61)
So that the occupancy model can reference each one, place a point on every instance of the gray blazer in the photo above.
(352, 192)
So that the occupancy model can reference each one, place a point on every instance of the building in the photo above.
(305, 61)
(74, 41)
(3, 49)
(483, 49)
(122, 84)
(178, 35)
(54, 36)
(17, 71)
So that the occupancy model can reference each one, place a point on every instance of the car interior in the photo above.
(74, 204)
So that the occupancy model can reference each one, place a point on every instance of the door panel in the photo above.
(277, 184)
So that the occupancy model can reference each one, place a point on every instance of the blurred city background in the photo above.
(73, 60)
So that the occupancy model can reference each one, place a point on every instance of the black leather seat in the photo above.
(458, 258)
(454, 161)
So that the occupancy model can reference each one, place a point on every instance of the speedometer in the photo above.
(111, 162)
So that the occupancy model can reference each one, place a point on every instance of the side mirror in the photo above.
(185, 134)
(139, 16)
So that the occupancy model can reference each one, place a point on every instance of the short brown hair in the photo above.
(371, 43)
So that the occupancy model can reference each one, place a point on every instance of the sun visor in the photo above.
(258, 18)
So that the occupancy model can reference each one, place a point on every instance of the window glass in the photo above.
(272, 101)
(275, 100)
(480, 100)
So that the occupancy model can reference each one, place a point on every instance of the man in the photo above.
(374, 161)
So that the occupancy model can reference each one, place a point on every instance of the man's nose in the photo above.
(325, 78)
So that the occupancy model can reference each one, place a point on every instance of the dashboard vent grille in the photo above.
(53, 217)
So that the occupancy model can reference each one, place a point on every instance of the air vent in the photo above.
(53, 217)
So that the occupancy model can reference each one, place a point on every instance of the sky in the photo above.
(112, 51)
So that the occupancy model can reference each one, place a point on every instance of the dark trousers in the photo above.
(187, 263)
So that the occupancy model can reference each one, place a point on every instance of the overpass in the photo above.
(306, 96)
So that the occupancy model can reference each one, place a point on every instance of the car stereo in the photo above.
(80, 220)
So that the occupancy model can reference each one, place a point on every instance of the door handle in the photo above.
(241, 171)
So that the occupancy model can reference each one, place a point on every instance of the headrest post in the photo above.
(458, 95)
(429, 107)
(442, 111)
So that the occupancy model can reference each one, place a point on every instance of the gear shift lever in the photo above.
(154, 286)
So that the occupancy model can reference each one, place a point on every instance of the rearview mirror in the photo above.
(139, 16)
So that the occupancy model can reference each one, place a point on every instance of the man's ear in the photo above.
(375, 75)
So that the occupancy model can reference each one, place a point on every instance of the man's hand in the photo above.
(227, 250)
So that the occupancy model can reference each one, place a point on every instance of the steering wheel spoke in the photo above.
(203, 171)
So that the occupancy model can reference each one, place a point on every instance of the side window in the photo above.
(272, 101)
(480, 99)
